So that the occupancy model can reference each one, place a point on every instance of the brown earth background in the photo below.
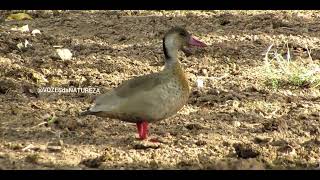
(235, 121)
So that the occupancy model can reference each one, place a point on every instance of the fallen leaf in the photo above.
(18, 16)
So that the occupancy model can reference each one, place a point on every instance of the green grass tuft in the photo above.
(283, 71)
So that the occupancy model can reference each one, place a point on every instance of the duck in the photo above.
(153, 97)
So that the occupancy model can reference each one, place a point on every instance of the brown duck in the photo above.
(151, 97)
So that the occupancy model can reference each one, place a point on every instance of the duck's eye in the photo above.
(182, 34)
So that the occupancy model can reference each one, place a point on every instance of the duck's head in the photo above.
(178, 38)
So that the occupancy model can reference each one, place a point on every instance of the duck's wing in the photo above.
(138, 84)
(128, 91)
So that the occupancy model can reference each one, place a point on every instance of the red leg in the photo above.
(139, 127)
(145, 130)
(142, 129)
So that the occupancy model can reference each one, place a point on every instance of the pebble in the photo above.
(64, 54)
(35, 31)
(204, 72)
(200, 83)
(236, 124)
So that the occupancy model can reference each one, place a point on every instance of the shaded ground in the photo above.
(234, 122)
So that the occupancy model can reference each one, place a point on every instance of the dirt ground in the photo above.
(235, 121)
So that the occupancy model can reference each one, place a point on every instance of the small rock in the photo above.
(71, 125)
(93, 163)
(315, 114)
(35, 32)
(280, 142)
(167, 135)
(26, 43)
(42, 148)
(275, 125)
(225, 143)
(194, 126)
(56, 143)
(54, 148)
(20, 46)
(122, 38)
(60, 143)
(201, 143)
(33, 158)
(236, 124)
(287, 150)
(235, 104)
(64, 54)
(200, 83)
(262, 140)
(224, 22)
(146, 145)
(307, 134)
(204, 72)
(46, 116)
(245, 151)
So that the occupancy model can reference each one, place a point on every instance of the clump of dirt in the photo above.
(245, 151)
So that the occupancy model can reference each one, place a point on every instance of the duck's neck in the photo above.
(170, 52)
